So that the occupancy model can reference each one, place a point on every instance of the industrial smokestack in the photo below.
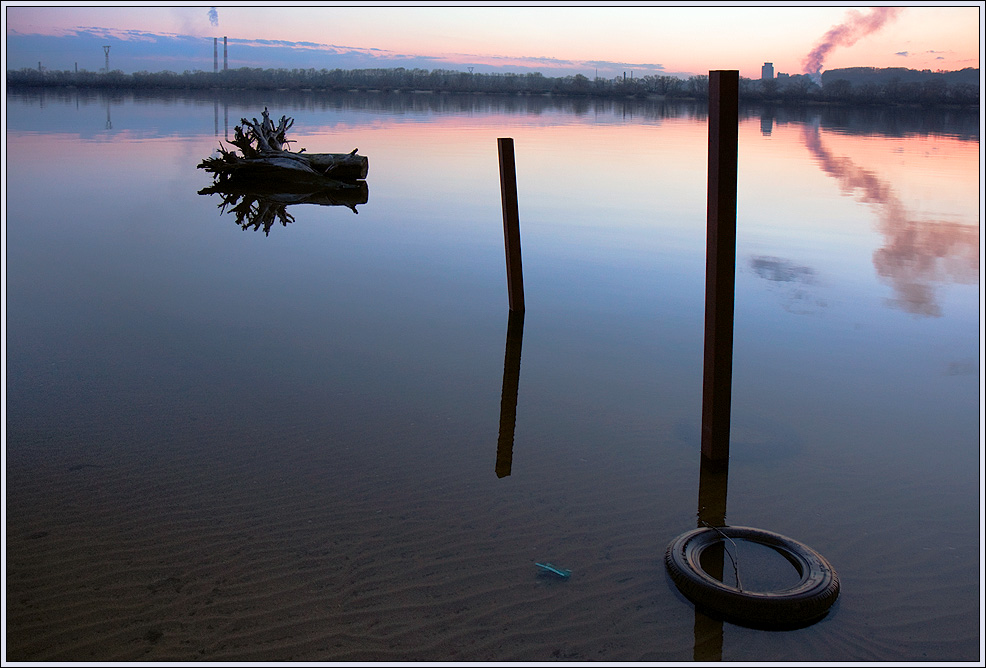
(850, 31)
(215, 54)
(225, 58)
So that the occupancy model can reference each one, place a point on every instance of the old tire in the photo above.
(804, 603)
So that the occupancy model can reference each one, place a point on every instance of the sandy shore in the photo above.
(355, 543)
(333, 553)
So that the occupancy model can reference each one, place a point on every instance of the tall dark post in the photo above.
(720, 289)
(720, 263)
(511, 223)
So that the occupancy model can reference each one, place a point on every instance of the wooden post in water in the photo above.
(720, 289)
(720, 263)
(511, 223)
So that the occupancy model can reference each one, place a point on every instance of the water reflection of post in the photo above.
(508, 395)
(720, 287)
(109, 123)
(713, 475)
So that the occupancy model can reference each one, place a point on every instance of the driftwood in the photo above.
(263, 157)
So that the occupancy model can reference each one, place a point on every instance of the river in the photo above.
(245, 430)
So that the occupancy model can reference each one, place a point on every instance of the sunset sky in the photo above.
(557, 40)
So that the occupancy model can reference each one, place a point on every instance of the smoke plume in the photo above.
(855, 27)
(213, 16)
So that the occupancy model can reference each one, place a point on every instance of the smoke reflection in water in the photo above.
(918, 254)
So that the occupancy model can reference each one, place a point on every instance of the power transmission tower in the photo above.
(106, 50)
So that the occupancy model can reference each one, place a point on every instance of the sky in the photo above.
(593, 39)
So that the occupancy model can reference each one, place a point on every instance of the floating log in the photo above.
(262, 155)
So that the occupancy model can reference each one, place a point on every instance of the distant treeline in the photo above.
(850, 85)
(899, 85)
(884, 75)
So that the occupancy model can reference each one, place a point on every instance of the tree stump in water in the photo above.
(263, 157)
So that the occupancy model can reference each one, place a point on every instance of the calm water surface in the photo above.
(306, 416)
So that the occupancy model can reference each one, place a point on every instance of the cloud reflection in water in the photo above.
(794, 280)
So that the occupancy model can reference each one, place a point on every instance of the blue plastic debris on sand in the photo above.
(548, 568)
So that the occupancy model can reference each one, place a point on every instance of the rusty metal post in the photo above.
(720, 263)
(511, 223)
